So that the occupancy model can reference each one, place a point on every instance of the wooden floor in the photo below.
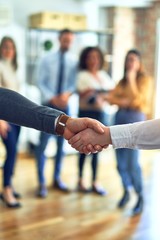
(76, 216)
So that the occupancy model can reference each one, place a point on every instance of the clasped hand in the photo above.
(87, 135)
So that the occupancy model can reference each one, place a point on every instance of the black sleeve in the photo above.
(19, 110)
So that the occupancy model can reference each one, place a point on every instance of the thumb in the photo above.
(95, 125)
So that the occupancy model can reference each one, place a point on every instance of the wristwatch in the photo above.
(61, 124)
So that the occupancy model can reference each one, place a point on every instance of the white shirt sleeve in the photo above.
(143, 135)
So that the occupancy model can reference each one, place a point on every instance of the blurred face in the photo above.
(8, 50)
(66, 41)
(133, 62)
(93, 60)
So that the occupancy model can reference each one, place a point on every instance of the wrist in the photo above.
(61, 124)
(107, 133)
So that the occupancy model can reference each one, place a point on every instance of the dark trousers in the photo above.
(128, 159)
(10, 143)
(41, 158)
(98, 115)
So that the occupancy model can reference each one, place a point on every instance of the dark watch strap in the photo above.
(61, 124)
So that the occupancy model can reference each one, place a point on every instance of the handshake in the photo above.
(86, 135)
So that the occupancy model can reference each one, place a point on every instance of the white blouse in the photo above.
(86, 80)
(143, 135)
(8, 76)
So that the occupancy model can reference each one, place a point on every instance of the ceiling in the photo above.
(124, 3)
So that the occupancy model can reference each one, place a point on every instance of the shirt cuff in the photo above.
(121, 136)
(55, 123)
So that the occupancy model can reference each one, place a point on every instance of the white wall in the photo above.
(22, 9)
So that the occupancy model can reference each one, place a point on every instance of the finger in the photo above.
(98, 148)
(91, 148)
(106, 146)
(77, 144)
(85, 151)
(74, 139)
(80, 148)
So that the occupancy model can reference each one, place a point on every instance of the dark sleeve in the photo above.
(19, 110)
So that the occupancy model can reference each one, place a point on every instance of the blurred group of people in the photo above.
(59, 75)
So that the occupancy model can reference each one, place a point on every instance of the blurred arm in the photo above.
(143, 135)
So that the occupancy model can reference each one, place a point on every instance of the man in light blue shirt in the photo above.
(56, 81)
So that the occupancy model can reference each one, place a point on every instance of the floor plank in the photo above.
(76, 216)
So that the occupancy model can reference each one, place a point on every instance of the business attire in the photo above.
(89, 108)
(56, 75)
(142, 135)
(9, 79)
(19, 110)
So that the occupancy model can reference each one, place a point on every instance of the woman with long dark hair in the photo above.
(133, 97)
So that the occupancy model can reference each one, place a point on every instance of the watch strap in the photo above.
(61, 124)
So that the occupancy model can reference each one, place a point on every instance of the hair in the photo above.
(140, 72)
(84, 54)
(14, 61)
(65, 31)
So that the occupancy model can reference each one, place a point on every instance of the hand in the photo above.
(87, 93)
(99, 101)
(76, 125)
(125, 102)
(61, 100)
(4, 128)
(91, 141)
(93, 149)
(131, 75)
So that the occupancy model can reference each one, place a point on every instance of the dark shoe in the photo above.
(8, 204)
(17, 195)
(124, 200)
(138, 207)
(82, 189)
(99, 190)
(42, 191)
(59, 185)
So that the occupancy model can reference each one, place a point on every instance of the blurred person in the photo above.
(91, 82)
(132, 95)
(56, 81)
(9, 79)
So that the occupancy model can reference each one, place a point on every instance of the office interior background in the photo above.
(115, 26)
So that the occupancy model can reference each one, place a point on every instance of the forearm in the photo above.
(19, 110)
(143, 135)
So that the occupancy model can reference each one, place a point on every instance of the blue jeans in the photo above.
(127, 159)
(10, 143)
(41, 158)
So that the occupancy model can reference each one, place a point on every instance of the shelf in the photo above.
(89, 37)
(97, 31)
